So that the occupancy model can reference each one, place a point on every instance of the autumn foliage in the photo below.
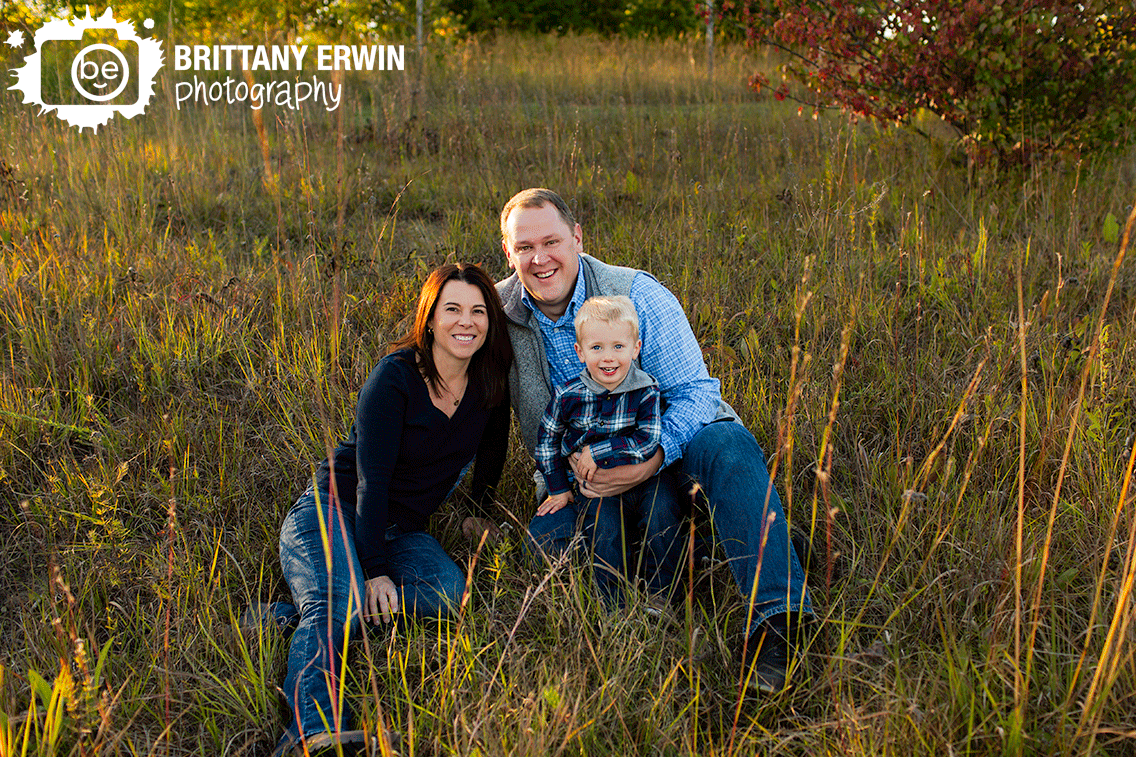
(1013, 78)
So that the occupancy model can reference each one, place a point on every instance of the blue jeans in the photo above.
(650, 511)
(728, 465)
(328, 589)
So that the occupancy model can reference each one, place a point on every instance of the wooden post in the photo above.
(418, 26)
(417, 88)
(709, 38)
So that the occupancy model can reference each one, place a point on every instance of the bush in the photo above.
(1014, 79)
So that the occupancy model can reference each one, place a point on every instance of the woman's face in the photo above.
(460, 321)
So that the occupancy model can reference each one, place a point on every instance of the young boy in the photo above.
(610, 415)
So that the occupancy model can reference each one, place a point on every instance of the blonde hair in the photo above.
(608, 310)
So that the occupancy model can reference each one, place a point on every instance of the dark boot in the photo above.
(767, 655)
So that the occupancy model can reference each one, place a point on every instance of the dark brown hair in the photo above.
(490, 364)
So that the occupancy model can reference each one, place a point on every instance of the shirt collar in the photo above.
(635, 379)
(578, 296)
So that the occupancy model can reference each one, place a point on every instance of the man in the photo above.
(701, 436)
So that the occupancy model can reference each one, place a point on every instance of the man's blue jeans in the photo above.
(327, 583)
(728, 466)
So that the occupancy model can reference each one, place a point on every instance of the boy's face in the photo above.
(607, 349)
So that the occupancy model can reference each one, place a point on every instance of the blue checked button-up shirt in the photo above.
(670, 353)
(620, 427)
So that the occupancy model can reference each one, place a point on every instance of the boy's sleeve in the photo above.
(642, 441)
(548, 458)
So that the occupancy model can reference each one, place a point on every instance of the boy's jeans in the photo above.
(650, 511)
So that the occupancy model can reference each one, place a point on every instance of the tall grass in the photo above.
(940, 366)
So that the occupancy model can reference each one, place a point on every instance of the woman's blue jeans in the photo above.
(728, 467)
(317, 554)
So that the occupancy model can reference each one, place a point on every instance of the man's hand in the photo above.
(586, 465)
(473, 528)
(553, 503)
(609, 482)
(382, 600)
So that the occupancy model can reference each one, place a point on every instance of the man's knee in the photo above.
(724, 451)
(725, 440)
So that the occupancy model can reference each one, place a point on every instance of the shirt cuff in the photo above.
(379, 569)
(557, 482)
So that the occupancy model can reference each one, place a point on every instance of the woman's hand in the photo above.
(382, 600)
(473, 528)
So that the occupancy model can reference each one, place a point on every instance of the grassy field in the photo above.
(939, 363)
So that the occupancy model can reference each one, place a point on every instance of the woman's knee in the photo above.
(662, 505)
(436, 595)
(322, 613)
(452, 589)
(603, 524)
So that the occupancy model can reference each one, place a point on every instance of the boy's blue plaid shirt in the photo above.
(622, 428)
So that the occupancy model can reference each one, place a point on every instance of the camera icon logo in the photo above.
(90, 70)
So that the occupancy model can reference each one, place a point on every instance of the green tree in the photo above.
(15, 15)
(661, 18)
(633, 17)
(540, 16)
(208, 20)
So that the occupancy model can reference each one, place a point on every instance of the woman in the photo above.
(434, 403)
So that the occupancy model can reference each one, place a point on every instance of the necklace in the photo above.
(457, 396)
(435, 388)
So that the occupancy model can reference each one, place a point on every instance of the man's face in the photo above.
(546, 255)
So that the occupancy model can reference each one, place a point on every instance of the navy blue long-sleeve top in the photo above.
(403, 455)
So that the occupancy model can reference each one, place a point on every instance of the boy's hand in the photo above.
(554, 503)
(609, 482)
(586, 465)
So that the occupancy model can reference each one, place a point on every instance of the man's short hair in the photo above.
(608, 310)
(536, 197)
